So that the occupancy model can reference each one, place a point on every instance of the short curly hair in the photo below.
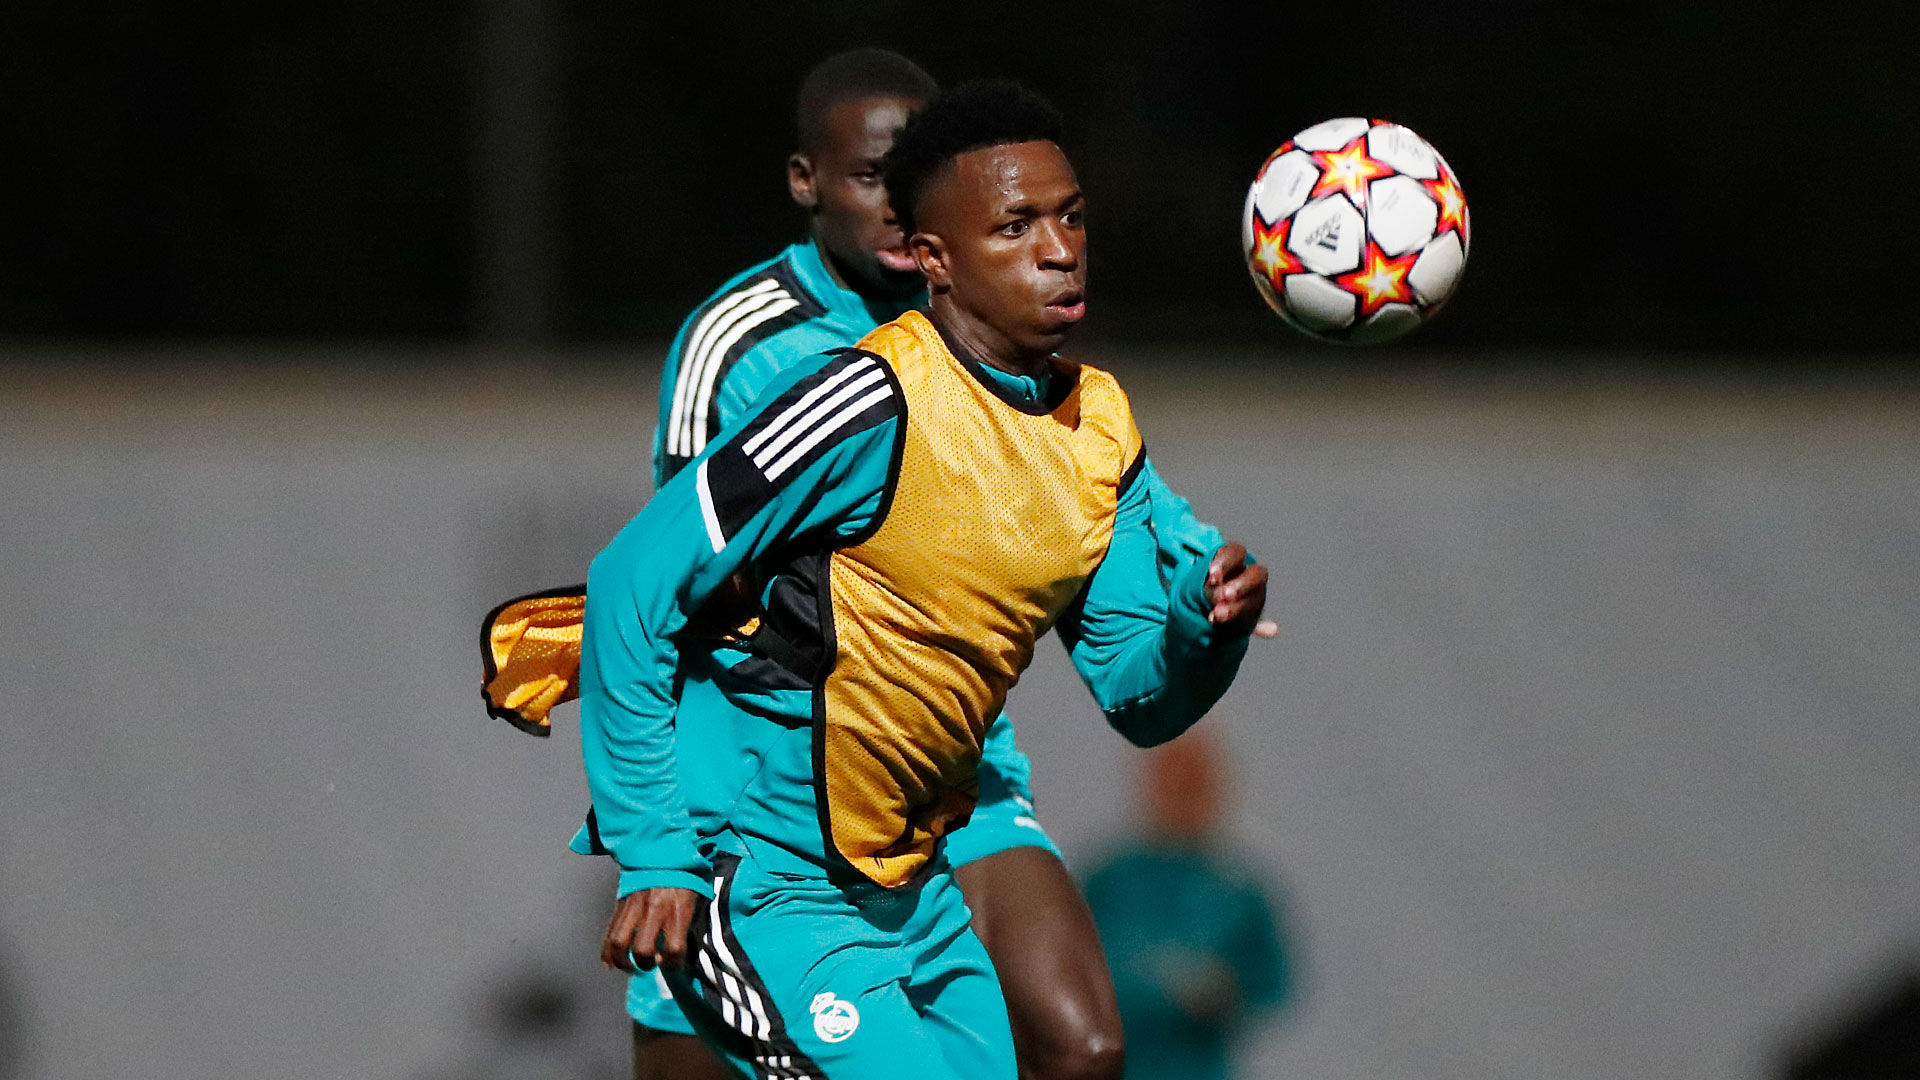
(971, 116)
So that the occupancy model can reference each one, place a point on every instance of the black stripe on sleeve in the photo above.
(851, 393)
(1133, 471)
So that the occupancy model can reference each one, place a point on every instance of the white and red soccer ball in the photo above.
(1355, 230)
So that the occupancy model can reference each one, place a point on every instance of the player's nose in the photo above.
(1054, 249)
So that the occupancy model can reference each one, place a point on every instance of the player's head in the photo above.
(1185, 787)
(993, 212)
(849, 107)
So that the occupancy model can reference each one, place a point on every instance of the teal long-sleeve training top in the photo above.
(719, 756)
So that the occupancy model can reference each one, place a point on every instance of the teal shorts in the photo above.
(790, 975)
(1003, 820)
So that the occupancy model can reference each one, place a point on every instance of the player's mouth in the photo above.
(897, 259)
(1069, 307)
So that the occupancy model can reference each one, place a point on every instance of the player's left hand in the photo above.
(1238, 592)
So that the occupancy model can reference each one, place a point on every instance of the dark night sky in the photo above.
(1710, 176)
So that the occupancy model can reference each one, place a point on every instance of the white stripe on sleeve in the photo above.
(683, 379)
(793, 411)
(838, 421)
(712, 520)
(697, 419)
(824, 409)
(705, 362)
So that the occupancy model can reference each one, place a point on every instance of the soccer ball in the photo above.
(1355, 230)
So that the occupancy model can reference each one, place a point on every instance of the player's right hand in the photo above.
(1237, 591)
(650, 927)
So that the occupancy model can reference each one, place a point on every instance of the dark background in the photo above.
(1714, 176)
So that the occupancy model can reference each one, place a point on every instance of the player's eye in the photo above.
(1072, 219)
(1016, 227)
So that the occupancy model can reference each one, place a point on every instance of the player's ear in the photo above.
(930, 254)
(800, 178)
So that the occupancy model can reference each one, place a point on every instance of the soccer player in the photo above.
(826, 293)
(851, 274)
(912, 514)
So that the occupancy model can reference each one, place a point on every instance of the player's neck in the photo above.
(985, 344)
(832, 264)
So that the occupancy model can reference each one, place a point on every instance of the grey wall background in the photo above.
(1589, 748)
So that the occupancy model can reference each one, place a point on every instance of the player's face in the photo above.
(840, 182)
(1009, 244)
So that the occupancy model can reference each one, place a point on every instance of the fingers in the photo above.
(1227, 562)
(616, 948)
(646, 936)
(1238, 593)
(649, 927)
(1238, 601)
(676, 914)
(1227, 582)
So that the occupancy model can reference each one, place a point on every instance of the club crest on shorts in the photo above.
(834, 1019)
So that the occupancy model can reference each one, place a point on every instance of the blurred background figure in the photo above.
(1197, 951)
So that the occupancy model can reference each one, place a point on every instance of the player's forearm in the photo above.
(1156, 683)
(640, 814)
(639, 591)
(1141, 639)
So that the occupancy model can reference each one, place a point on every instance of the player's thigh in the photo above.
(1035, 925)
(957, 995)
(669, 1055)
(767, 1019)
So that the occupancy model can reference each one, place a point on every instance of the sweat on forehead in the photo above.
(969, 117)
(1023, 177)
